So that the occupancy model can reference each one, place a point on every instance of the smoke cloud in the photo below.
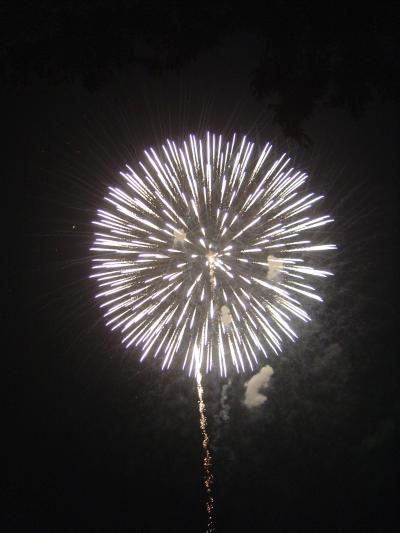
(259, 382)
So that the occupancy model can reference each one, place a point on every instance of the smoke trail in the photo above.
(224, 404)
(221, 418)
(208, 477)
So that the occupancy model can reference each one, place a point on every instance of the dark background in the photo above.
(96, 441)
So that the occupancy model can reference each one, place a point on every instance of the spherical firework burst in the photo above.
(204, 255)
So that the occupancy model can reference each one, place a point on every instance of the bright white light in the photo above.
(206, 252)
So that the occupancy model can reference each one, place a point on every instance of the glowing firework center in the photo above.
(205, 255)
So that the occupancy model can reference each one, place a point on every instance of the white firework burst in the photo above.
(202, 255)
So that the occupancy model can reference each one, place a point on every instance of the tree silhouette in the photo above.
(337, 56)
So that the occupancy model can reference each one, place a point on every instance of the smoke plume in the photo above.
(259, 382)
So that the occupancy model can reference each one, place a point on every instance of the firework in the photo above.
(205, 253)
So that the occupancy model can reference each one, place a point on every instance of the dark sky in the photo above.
(96, 441)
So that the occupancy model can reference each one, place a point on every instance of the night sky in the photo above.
(95, 440)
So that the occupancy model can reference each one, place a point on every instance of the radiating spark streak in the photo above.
(194, 229)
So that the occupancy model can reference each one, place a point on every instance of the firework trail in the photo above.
(207, 461)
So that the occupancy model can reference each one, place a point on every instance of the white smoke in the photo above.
(275, 265)
(221, 418)
(224, 404)
(259, 382)
(179, 236)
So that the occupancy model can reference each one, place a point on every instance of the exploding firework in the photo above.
(203, 258)
(204, 254)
